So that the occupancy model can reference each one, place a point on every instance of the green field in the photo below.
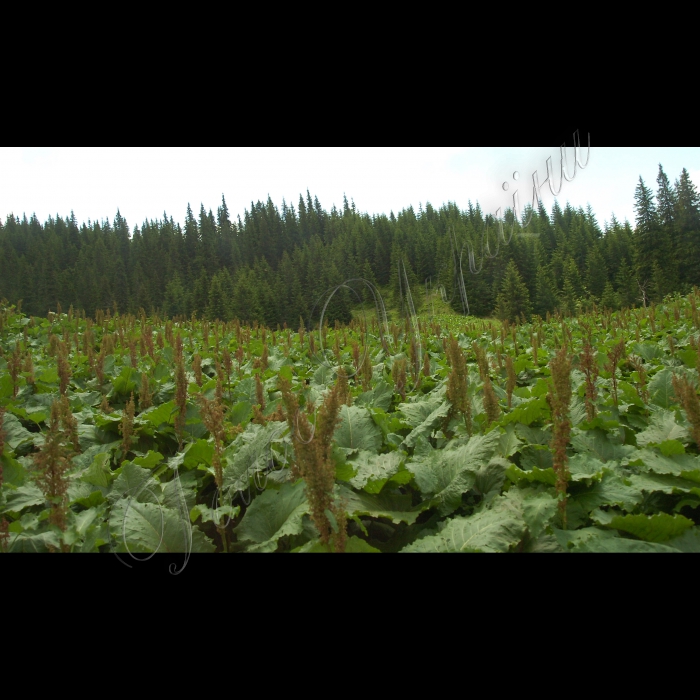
(438, 434)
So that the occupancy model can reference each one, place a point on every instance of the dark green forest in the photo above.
(274, 264)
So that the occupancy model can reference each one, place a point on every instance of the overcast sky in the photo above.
(145, 182)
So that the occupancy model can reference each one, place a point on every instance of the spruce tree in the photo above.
(647, 243)
(609, 300)
(596, 272)
(514, 299)
(546, 299)
(216, 310)
(627, 287)
(688, 223)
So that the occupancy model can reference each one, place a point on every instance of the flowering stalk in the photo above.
(52, 464)
(312, 451)
(512, 381)
(614, 357)
(126, 427)
(559, 398)
(4, 532)
(688, 398)
(589, 366)
(180, 389)
(457, 384)
(213, 417)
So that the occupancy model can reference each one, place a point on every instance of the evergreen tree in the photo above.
(547, 298)
(688, 226)
(609, 300)
(216, 310)
(200, 294)
(647, 239)
(596, 272)
(175, 301)
(514, 298)
(627, 286)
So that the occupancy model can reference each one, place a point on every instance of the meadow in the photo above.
(431, 433)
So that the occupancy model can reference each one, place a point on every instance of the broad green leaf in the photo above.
(94, 499)
(356, 545)
(662, 427)
(285, 370)
(653, 528)
(660, 464)
(416, 413)
(357, 430)
(661, 389)
(150, 527)
(272, 515)
(49, 376)
(622, 545)
(629, 394)
(488, 531)
(150, 461)
(39, 542)
(648, 351)
(23, 497)
(179, 493)
(598, 444)
(528, 413)
(669, 448)
(79, 491)
(157, 415)
(83, 520)
(380, 396)
(447, 474)
(250, 452)
(533, 436)
(536, 456)
(689, 541)
(508, 443)
(198, 452)
(577, 410)
(543, 476)
(397, 508)
(15, 433)
(611, 490)
(374, 467)
(125, 383)
(689, 357)
(662, 483)
(84, 460)
(99, 472)
(313, 547)
(240, 413)
(6, 386)
(12, 470)
(136, 483)
(491, 476)
(539, 508)
(323, 376)
(584, 466)
(585, 539)
(218, 515)
(427, 426)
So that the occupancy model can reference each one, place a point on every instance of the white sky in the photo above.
(145, 182)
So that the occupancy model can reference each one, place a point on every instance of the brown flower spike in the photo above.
(312, 450)
(559, 398)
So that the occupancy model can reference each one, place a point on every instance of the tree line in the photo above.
(274, 265)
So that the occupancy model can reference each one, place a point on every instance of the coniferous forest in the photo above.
(274, 264)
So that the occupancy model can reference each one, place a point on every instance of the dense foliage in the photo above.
(130, 434)
(274, 264)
